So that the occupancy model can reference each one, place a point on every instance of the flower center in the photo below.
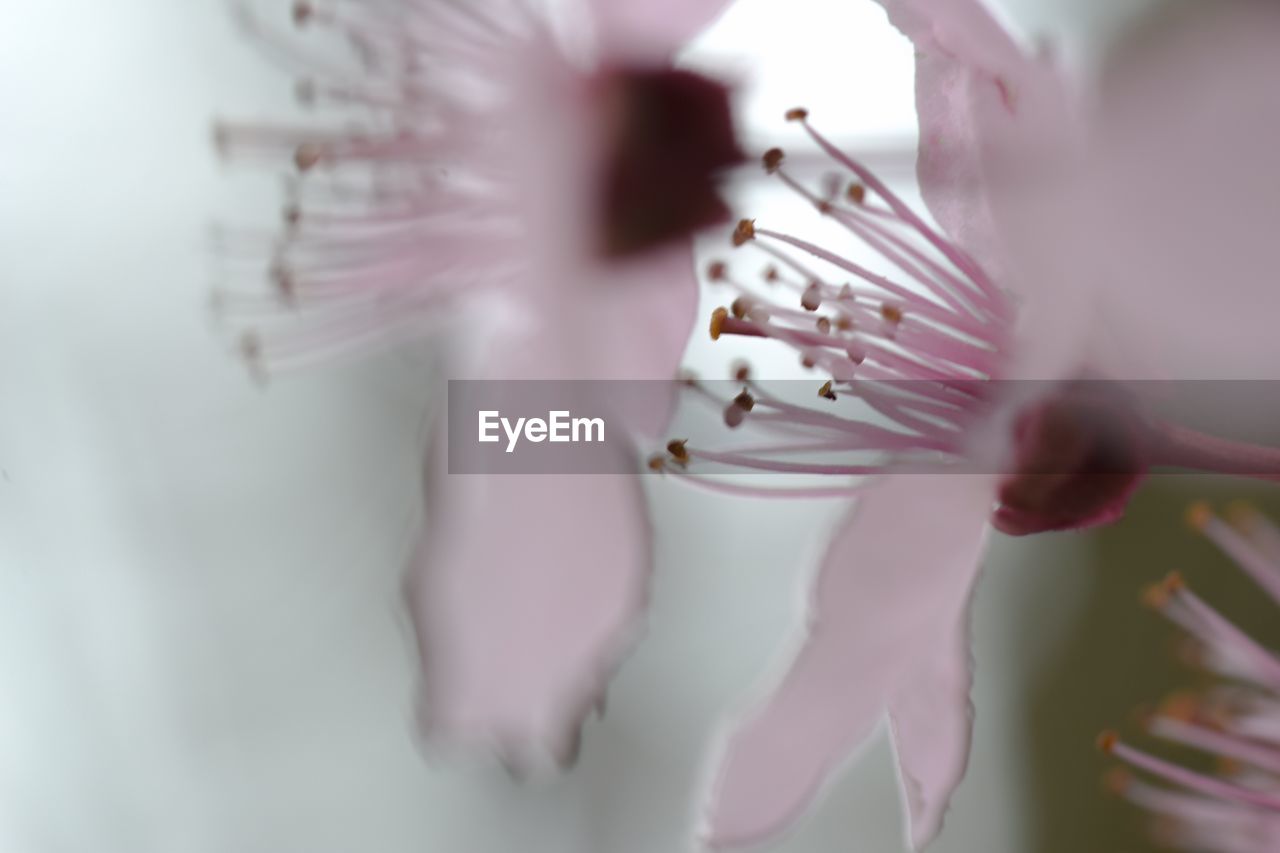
(668, 134)
(1078, 457)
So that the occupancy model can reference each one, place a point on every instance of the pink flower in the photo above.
(1237, 808)
(1080, 239)
(528, 195)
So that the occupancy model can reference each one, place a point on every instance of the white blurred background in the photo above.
(201, 643)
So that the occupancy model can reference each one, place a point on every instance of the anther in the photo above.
(1184, 707)
(811, 299)
(302, 12)
(825, 391)
(251, 348)
(808, 362)
(736, 412)
(718, 317)
(797, 114)
(1198, 515)
(1242, 515)
(744, 231)
(676, 447)
(770, 274)
(824, 325)
(772, 159)
(857, 193)
(1118, 781)
(716, 271)
(891, 314)
(284, 282)
(741, 371)
(307, 156)
(844, 323)
(1157, 595)
(740, 307)
(657, 463)
(1107, 741)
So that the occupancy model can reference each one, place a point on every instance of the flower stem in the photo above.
(1181, 447)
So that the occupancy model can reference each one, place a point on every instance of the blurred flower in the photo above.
(1235, 808)
(525, 186)
(1023, 286)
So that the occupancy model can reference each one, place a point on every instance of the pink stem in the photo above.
(1186, 448)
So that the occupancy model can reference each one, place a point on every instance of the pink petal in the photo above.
(1179, 217)
(660, 26)
(527, 589)
(526, 592)
(895, 582)
(931, 720)
(983, 107)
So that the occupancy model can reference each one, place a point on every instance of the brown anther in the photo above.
(307, 156)
(772, 159)
(844, 323)
(1198, 515)
(811, 299)
(716, 271)
(251, 347)
(1225, 766)
(797, 114)
(891, 314)
(770, 273)
(745, 230)
(741, 371)
(740, 307)
(302, 12)
(1117, 781)
(718, 317)
(657, 462)
(284, 282)
(1157, 595)
(823, 206)
(1183, 707)
(808, 362)
(1107, 741)
(824, 325)
(825, 391)
(857, 193)
(1242, 515)
(676, 447)
(745, 401)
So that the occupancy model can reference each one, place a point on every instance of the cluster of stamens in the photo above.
(903, 353)
(1238, 723)
(384, 208)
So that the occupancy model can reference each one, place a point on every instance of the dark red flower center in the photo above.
(670, 134)
(1079, 456)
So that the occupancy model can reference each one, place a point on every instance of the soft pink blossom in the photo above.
(526, 195)
(1118, 234)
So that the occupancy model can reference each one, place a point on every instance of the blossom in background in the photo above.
(1236, 807)
(1080, 239)
(525, 187)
